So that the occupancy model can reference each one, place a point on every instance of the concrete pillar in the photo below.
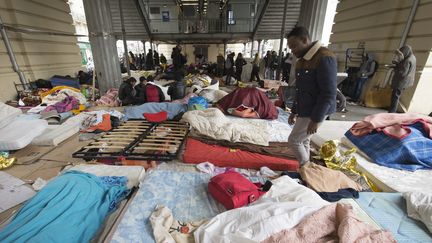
(259, 48)
(244, 48)
(312, 15)
(103, 44)
(252, 46)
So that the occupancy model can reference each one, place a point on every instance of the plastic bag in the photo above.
(197, 103)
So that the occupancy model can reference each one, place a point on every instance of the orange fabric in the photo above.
(197, 152)
(105, 125)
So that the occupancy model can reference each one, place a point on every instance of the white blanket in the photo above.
(8, 114)
(283, 207)
(419, 207)
(213, 123)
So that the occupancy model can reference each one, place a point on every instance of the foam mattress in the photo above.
(56, 134)
(198, 152)
(8, 114)
(20, 133)
(389, 211)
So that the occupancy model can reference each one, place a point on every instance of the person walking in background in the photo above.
(286, 66)
(156, 58)
(315, 72)
(229, 67)
(220, 65)
(149, 60)
(163, 61)
(267, 61)
(404, 74)
(239, 63)
(255, 69)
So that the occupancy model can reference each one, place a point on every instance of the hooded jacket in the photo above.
(404, 72)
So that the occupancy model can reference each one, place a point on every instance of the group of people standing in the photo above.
(146, 62)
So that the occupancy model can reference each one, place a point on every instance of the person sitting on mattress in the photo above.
(150, 92)
(248, 103)
(127, 93)
(315, 73)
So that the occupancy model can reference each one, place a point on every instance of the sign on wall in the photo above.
(165, 16)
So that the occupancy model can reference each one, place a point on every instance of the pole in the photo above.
(259, 48)
(252, 46)
(125, 54)
(409, 23)
(11, 55)
(281, 41)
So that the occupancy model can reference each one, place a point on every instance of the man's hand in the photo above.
(312, 127)
(292, 119)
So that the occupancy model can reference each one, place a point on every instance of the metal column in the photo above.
(312, 15)
(125, 54)
(252, 46)
(11, 55)
(259, 48)
(103, 44)
(409, 22)
(281, 41)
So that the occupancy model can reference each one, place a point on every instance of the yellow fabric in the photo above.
(80, 108)
(6, 162)
(336, 159)
(42, 95)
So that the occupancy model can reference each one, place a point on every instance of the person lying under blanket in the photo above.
(248, 103)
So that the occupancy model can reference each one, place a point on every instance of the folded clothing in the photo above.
(197, 152)
(20, 133)
(323, 179)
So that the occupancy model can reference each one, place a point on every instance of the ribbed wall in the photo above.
(39, 56)
(380, 24)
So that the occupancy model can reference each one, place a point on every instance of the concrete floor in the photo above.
(355, 113)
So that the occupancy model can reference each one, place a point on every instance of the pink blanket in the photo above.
(393, 124)
(333, 223)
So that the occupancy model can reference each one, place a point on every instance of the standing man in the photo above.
(404, 74)
(315, 99)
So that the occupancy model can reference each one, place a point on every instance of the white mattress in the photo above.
(388, 179)
(135, 174)
(8, 114)
(56, 134)
(20, 133)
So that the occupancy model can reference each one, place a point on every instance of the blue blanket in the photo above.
(410, 153)
(71, 208)
(173, 109)
(184, 193)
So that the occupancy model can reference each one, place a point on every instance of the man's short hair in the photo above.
(132, 80)
(299, 31)
(142, 79)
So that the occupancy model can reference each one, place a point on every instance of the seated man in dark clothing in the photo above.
(126, 92)
(84, 78)
(139, 87)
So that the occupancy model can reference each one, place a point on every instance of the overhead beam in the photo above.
(143, 19)
(264, 9)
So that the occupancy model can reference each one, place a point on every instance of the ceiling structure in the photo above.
(191, 21)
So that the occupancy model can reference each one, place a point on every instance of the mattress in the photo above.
(387, 179)
(389, 211)
(185, 193)
(7, 114)
(20, 133)
(197, 152)
(135, 174)
(56, 134)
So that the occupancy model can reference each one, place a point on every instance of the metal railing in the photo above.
(195, 25)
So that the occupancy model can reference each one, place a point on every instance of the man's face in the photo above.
(298, 45)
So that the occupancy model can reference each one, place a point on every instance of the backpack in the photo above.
(152, 93)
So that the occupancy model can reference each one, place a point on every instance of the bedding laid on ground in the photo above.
(336, 222)
(389, 211)
(20, 133)
(184, 193)
(419, 207)
(55, 134)
(70, 208)
(282, 207)
(276, 149)
(8, 114)
(249, 98)
(213, 123)
(197, 152)
(173, 109)
(412, 152)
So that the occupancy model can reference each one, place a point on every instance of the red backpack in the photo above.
(152, 93)
(233, 190)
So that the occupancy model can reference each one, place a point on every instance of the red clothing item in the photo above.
(152, 93)
(250, 98)
(392, 124)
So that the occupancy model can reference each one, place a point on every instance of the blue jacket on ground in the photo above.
(316, 84)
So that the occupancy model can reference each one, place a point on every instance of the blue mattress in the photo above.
(389, 211)
(184, 193)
